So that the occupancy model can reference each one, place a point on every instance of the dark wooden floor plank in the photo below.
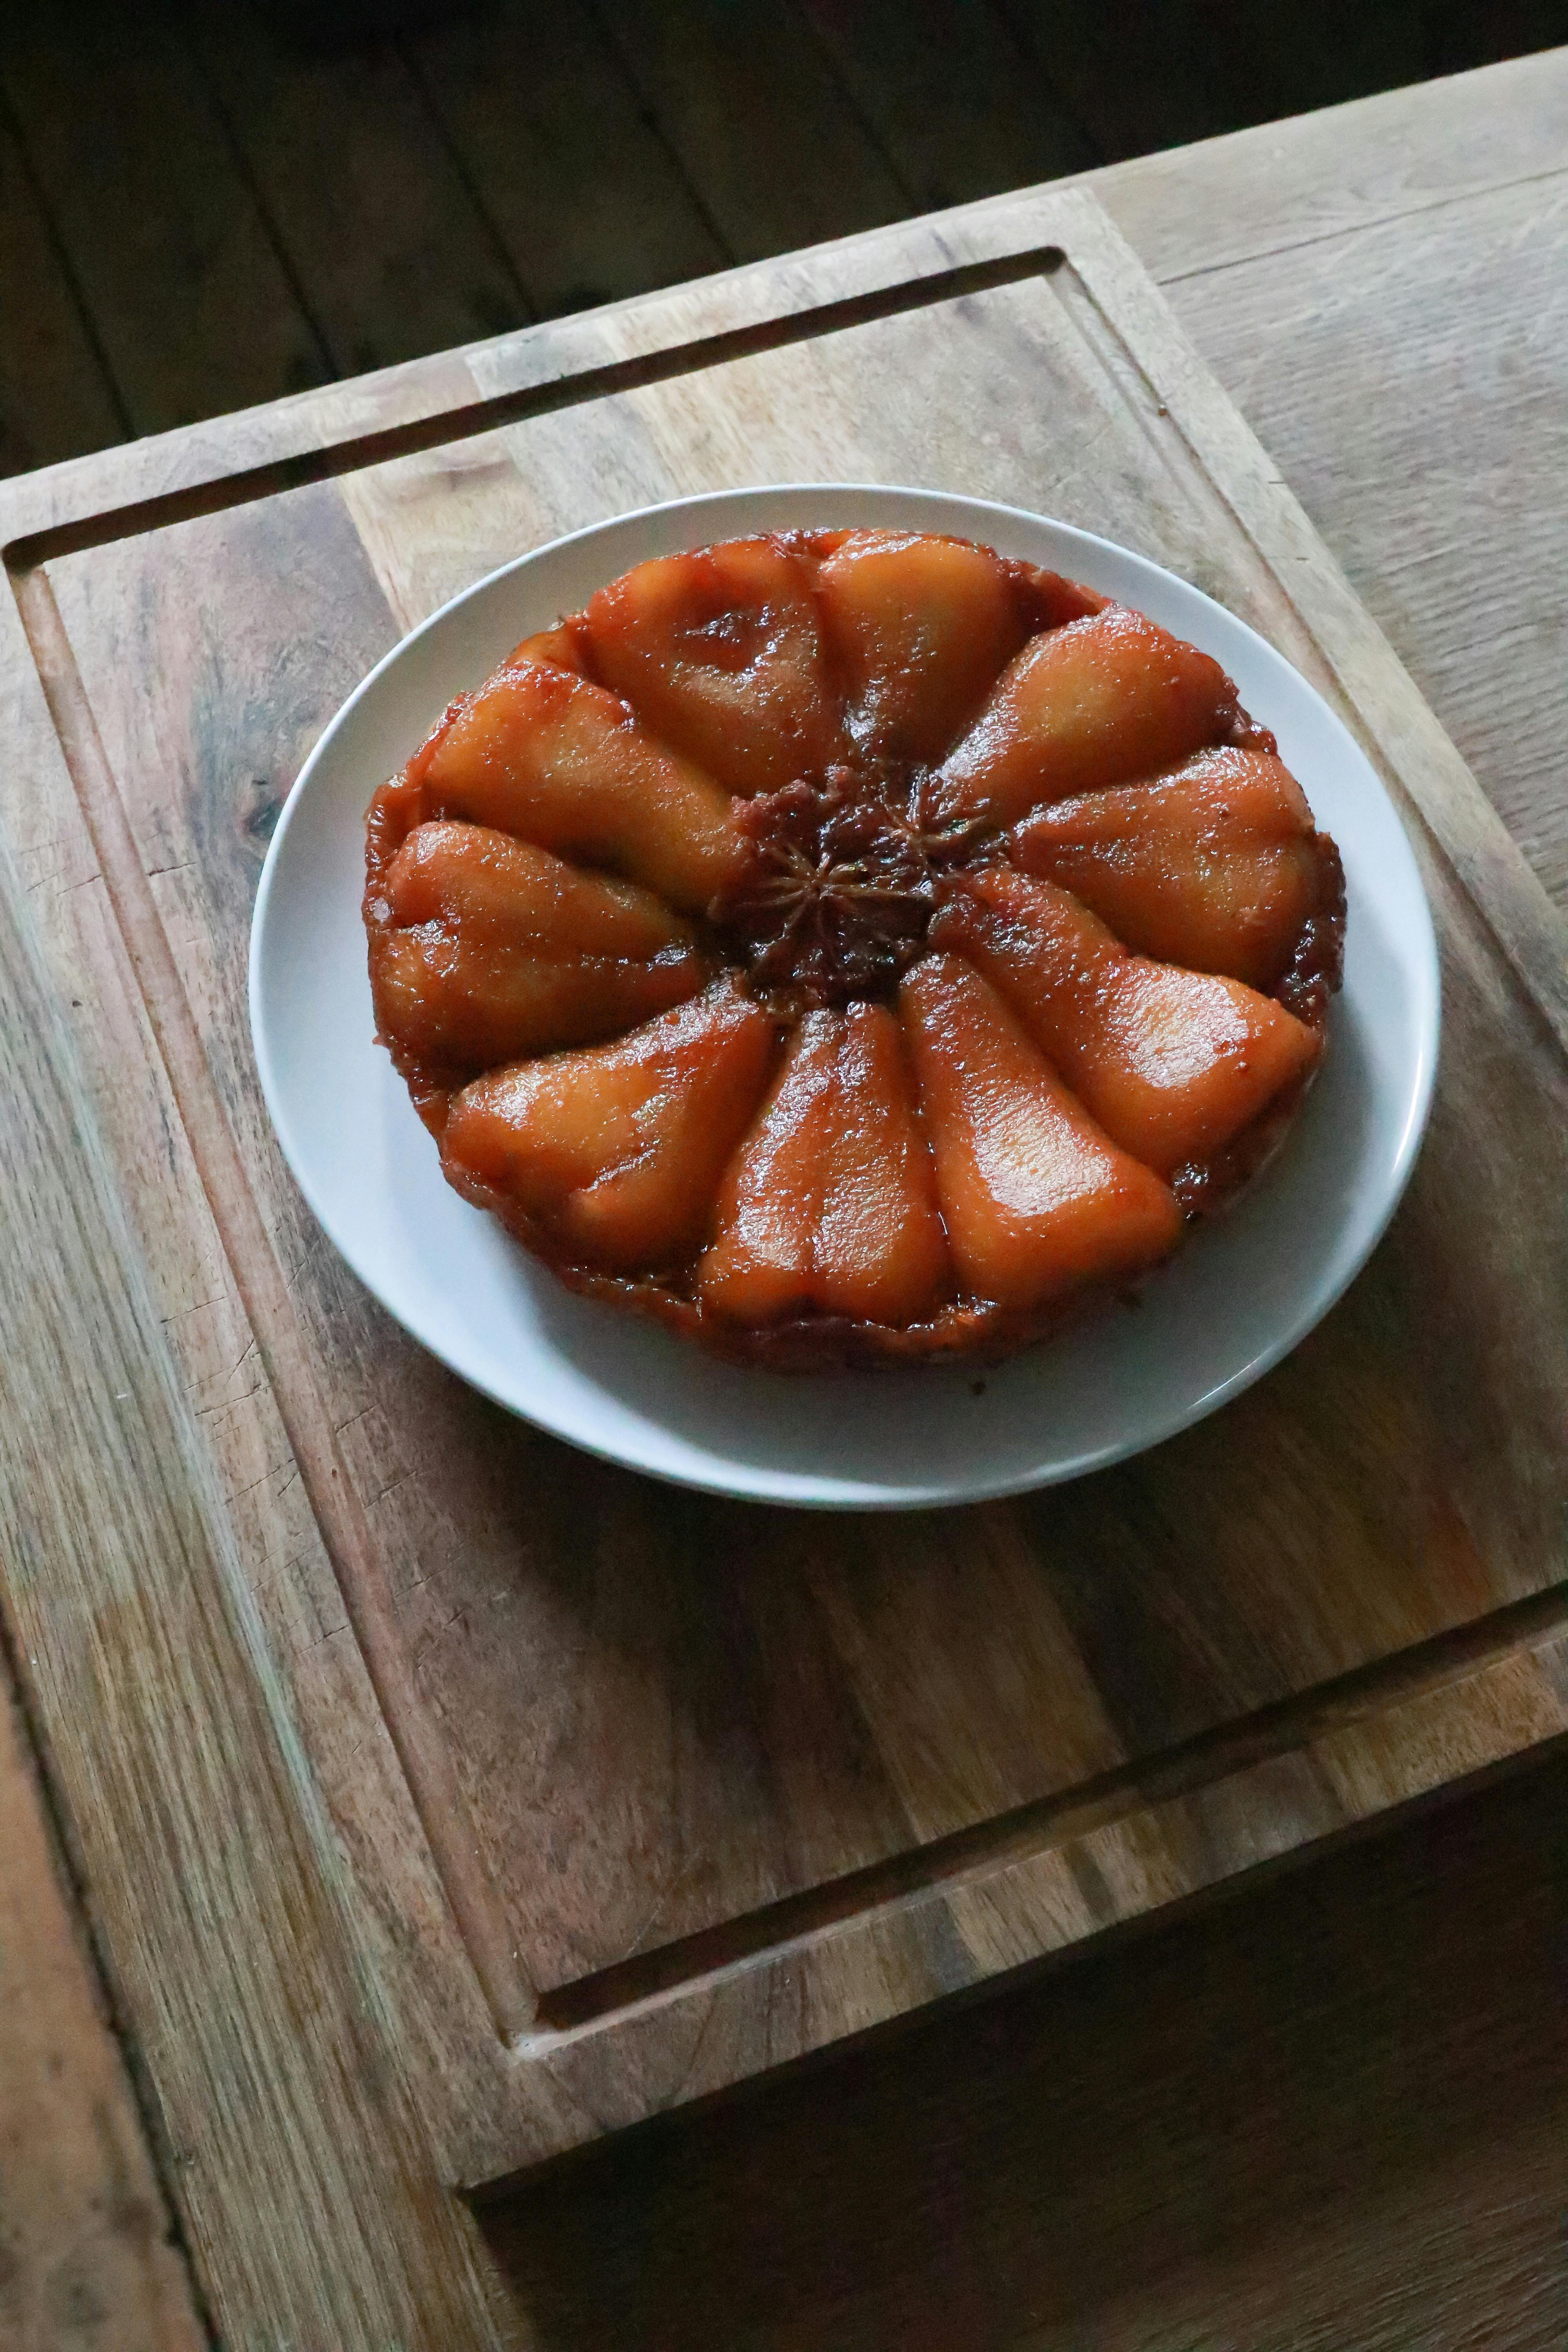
(1158, 73)
(959, 108)
(391, 256)
(585, 194)
(764, 129)
(1460, 34)
(1331, 2110)
(56, 399)
(189, 301)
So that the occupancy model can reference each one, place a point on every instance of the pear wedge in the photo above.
(1216, 867)
(920, 629)
(1173, 1065)
(613, 1155)
(1102, 701)
(720, 654)
(1036, 1198)
(830, 1204)
(544, 754)
(483, 947)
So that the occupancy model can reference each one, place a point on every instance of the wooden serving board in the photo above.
(444, 1798)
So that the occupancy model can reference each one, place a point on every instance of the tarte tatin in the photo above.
(851, 946)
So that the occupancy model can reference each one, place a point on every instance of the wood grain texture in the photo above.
(341, 1521)
(55, 395)
(724, 1708)
(1488, 642)
(1331, 2109)
(87, 2257)
(1432, 776)
(957, 103)
(258, 2013)
(1283, 186)
(705, 67)
(576, 234)
(284, 1559)
(1412, 242)
(190, 303)
(389, 252)
(1259, 191)
(378, 211)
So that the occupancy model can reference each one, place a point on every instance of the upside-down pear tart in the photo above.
(851, 946)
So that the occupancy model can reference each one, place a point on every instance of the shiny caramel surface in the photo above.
(851, 946)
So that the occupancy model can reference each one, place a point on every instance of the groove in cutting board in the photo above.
(1180, 1771)
(483, 415)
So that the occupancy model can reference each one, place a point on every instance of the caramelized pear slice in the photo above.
(489, 884)
(1173, 1064)
(1216, 867)
(565, 647)
(720, 654)
(456, 1005)
(483, 949)
(541, 752)
(770, 1202)
(613, 1156)
(1101, 702)
(918, 628)
(880, 1251)
(1037, 1197)
(830, 1205)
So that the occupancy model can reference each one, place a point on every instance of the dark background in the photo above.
(205, 203)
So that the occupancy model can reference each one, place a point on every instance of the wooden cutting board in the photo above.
(442, 1798)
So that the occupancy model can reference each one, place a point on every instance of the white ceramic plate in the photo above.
(1238, 1296)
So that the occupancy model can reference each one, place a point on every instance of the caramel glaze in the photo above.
(869, 826)
(1316, 969)
(973, 1329)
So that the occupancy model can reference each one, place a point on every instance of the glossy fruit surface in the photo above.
(851, 946)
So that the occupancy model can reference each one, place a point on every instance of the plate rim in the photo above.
(1421, 958)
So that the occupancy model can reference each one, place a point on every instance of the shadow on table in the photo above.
(1330, 2107)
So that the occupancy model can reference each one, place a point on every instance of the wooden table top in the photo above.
(1330, 2110)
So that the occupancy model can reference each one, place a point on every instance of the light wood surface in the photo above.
(89, 2259)
(414, 543)
(1392, 329)
(283, 2102)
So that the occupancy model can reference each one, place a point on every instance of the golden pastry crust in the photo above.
(851, 947)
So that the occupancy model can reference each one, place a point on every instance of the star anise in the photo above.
(843, 879)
